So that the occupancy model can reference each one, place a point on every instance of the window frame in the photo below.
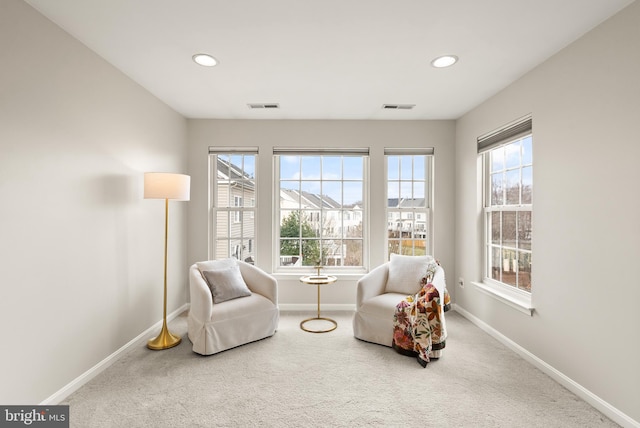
(278, 153)
(413, 213)
(509, 294)
(237, 215)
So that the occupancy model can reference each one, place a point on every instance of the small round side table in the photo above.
(318, 280)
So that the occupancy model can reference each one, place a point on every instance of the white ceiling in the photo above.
(326, 59)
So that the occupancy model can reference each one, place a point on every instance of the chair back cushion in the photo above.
(406, 273)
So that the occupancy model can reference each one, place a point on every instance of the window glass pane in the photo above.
(311, 193)
(497, 159)
(406, 167)
(250, 166)
(406, 247)
(248, 226)
(527, 185)
(331, 168)
(393, 193)
(524, 230)
(290, 224)
(310, 251)
(496, 264)
(497, 189)
(332, 194)
(235, 248)
(289, 252)
(236, 167)
(393, 168)
(222, 224)
(353, 168)
(223, 194)
(495, 226)
(332, 224)
(524, 271)
(513, 187)
(393, 247)
(512, 155)
(352, 193)
(509, 263)
(420, 246)
(406, 190)
(289, 167)
(509, 229)
(222, 248)
(352, 224)
(332, 254)
(392, 225)
(419, 167)
(248, 251)
(222, 162)
(310, 167)
(353, 252)
(236, 218)
(419, 194)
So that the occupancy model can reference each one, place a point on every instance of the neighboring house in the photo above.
(403, 224)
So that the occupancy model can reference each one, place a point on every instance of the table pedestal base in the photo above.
(335, 325)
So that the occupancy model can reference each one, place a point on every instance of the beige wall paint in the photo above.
(81, 252)
(322, 133)
(585, 103)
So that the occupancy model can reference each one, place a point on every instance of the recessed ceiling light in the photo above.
(205, 60)
(444, 61)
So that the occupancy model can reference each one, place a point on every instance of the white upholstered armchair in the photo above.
(215, 327)
(380, 290)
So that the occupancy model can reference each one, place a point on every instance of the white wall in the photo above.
(308, 133)
(585, 103)
(80, 250)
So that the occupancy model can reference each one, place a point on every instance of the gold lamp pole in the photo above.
(160, 185)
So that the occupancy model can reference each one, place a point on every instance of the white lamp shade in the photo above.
(165, 185)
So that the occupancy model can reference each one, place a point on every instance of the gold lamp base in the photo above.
(165, 340)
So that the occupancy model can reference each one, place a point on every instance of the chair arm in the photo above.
(372, 284)
(200, 295)
(440, 283)
(259, 281)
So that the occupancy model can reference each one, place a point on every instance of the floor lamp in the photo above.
(160, 185)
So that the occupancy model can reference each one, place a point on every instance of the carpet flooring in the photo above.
(300, 379)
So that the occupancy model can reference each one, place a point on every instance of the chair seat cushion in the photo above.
(238, 308)
(383, 305)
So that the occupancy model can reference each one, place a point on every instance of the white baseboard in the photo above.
(607, 409)
(313, 307)
(81, 380)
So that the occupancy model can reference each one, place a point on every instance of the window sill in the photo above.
(514, 298)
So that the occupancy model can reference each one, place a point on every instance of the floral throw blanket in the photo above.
(418, 325)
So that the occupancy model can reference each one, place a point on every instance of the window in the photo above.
(508, 202)
(233, 195)
(408, 201)
(320, 208)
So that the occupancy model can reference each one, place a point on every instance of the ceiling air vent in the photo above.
(398, 106)
(264, 105)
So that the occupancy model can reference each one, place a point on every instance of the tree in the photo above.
(293, 227)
